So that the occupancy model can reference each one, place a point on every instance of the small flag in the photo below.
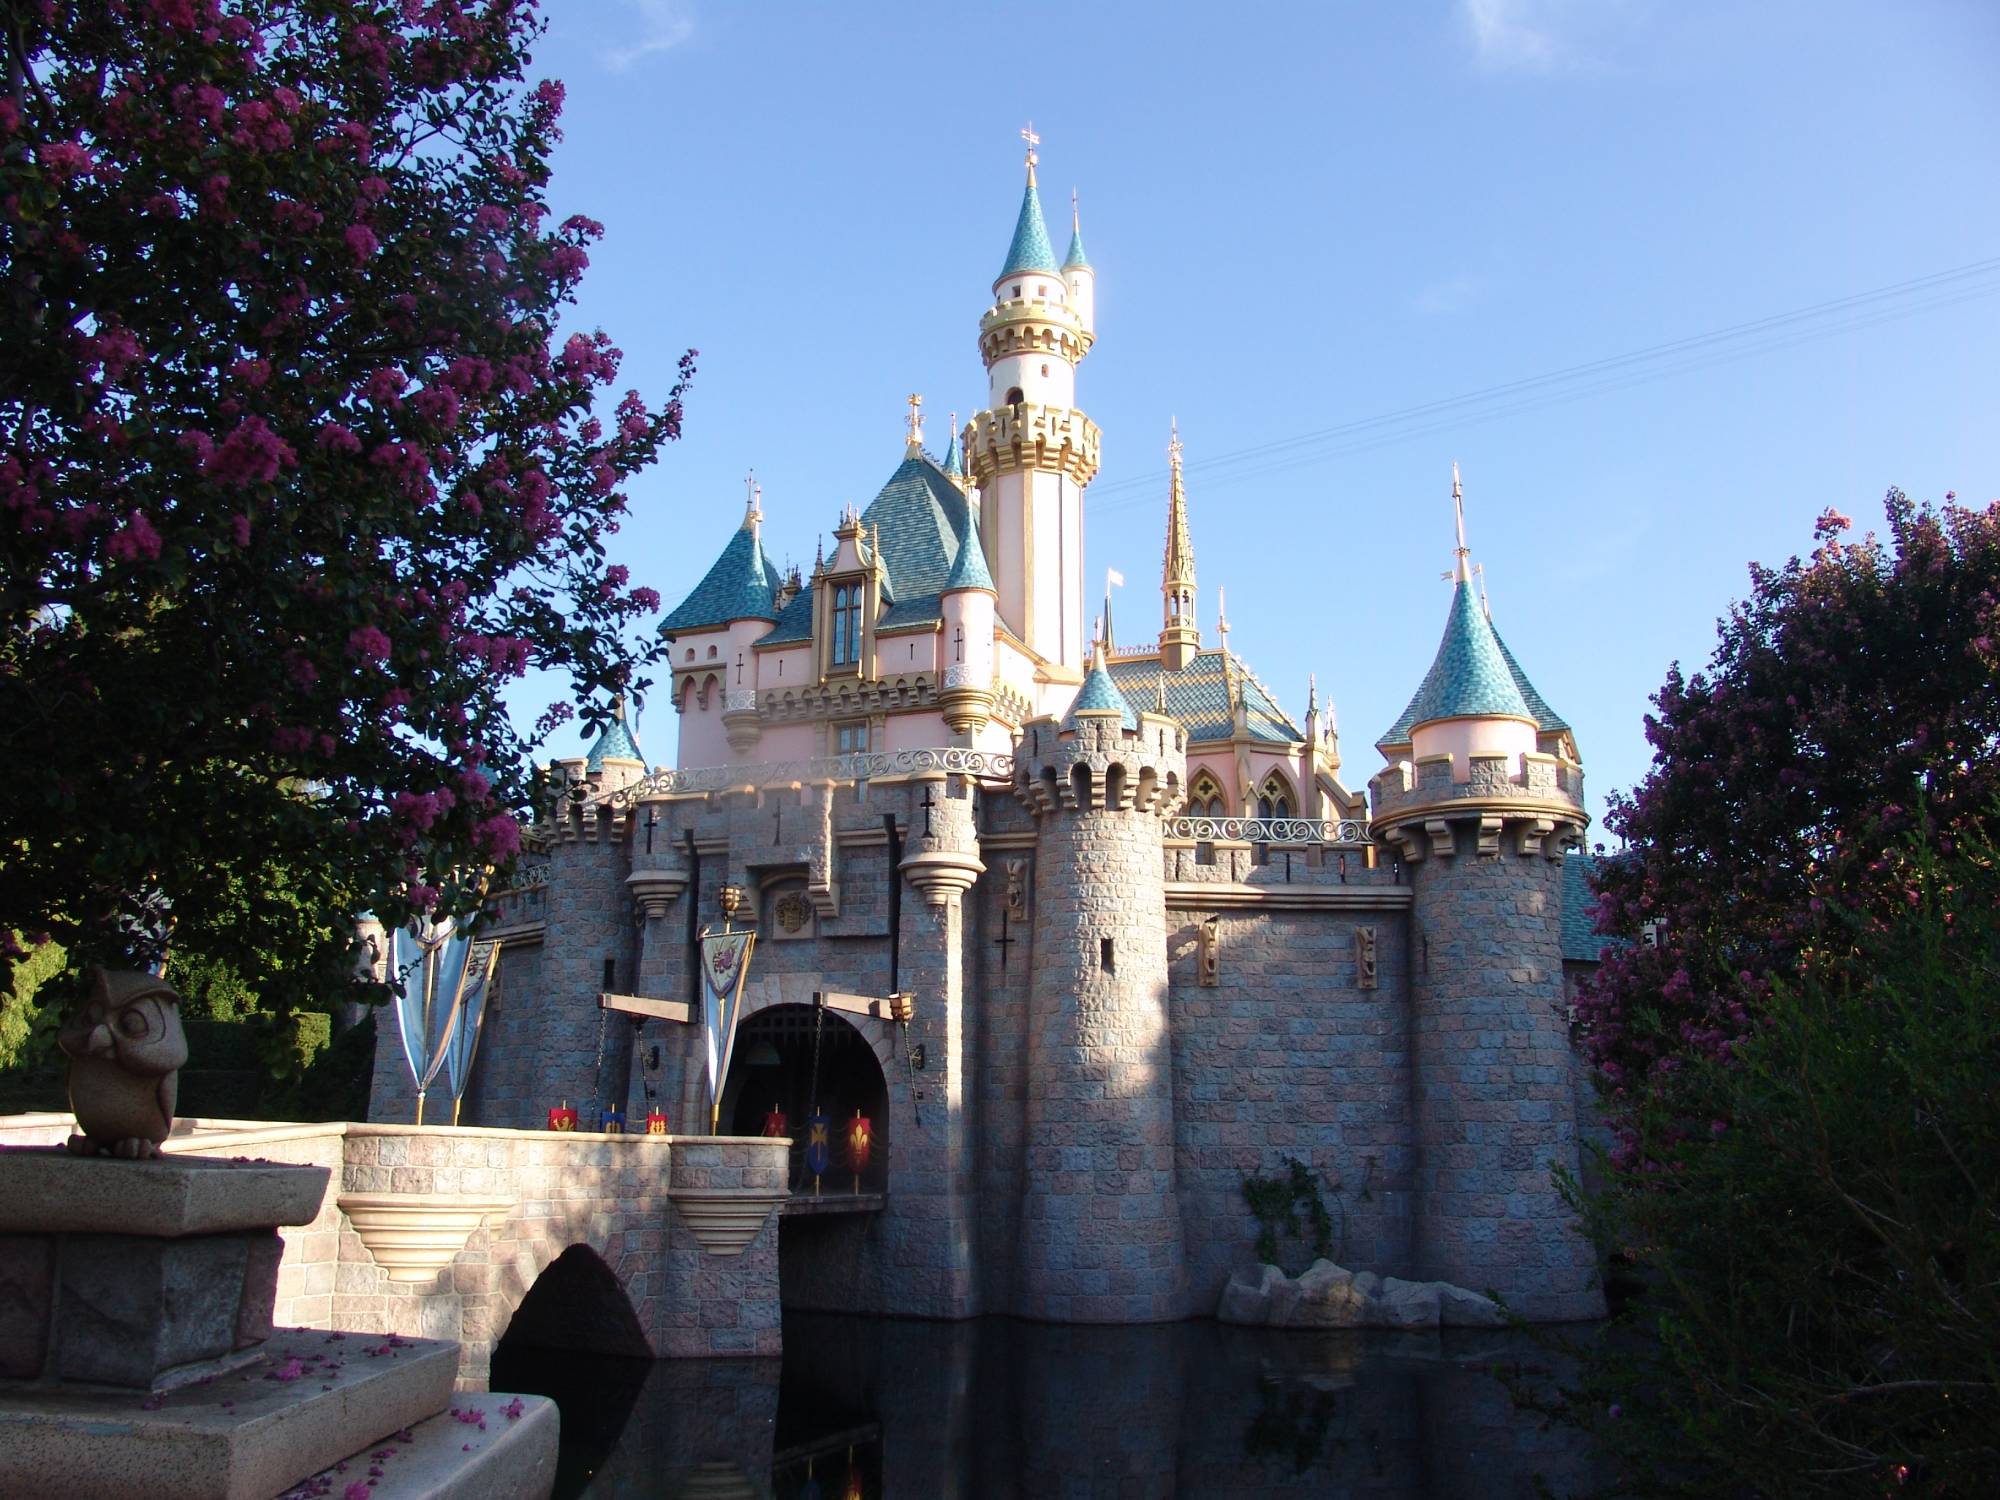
(1113, 578)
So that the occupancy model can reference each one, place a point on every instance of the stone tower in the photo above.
(1101, 1237)
(1483, 797)
(1031, 452)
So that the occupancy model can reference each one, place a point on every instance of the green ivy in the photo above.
(1288, 1207)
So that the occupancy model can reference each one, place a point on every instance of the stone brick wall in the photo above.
(1494, 1082)
(1100, 1236)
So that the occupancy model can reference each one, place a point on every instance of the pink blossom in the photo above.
(252, 454)
(337, 439)
(499, 837)
(368, 643)
(116, 349)
(67, 159)
(134, 540)
(239, 527)
(361, 241)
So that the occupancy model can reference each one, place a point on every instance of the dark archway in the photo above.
(577, 1303)
(773, 1068)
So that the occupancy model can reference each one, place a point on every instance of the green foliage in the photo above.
(1289, 1208)
(210, 989)
(23, 1005)
(1818, 1233)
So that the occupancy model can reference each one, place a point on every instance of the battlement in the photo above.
(1096, 763)
(1024, 325)
(1030, 436)
(1534, 799)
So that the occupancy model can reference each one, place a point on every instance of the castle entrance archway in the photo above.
(789, 1058)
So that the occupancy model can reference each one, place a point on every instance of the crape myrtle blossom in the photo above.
(1853, 703)
(299, 465)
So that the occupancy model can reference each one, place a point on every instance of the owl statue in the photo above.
(126, 1049)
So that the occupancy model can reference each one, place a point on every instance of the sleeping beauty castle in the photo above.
(1060, 935)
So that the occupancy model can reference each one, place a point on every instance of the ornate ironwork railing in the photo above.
(1352, 832)
(873, 765)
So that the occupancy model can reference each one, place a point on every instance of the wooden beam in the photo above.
(640, 1005)
(874, 1006)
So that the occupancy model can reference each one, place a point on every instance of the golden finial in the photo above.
(1174, 442)
(916, 421)
(1075, 214)
(1033, 141)
(1463, 571)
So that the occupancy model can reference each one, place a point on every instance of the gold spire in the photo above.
(1180, 635)
(916, 422)
(753, 510)
(1033, 141)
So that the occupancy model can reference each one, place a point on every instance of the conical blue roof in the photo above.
(616, 743)
(1469, 678)
(738, 587)
(954, 460)
(968, 569)
(1075, 260)
(1100, 695)
(1030, 250)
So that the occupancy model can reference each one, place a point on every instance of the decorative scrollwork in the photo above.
(987, 765)
(529, 875)
(1345, 832)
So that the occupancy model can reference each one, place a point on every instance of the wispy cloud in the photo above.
(1453, 294)
(652, 27)
(1545, 36)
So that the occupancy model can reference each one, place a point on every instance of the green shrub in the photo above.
(1289, 1208)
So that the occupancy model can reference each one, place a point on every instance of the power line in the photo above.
(1574, 382)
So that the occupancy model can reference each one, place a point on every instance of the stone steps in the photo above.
(445, 1458)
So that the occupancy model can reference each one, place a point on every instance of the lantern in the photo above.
(860, 1138)
(776, 1124)
(562, 1117)
(656, 1122)
(611, 1121)
(818, 1152)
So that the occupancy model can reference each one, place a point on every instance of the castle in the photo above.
(1084, 932)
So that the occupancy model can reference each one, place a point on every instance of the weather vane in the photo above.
(916, 419)
(1033, 141)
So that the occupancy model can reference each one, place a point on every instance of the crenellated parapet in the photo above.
(1056, 439)
(1097, 764)
(1528, 804)
(1024, 325)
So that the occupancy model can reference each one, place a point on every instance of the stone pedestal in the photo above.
(140, 1274)
(137, 1354)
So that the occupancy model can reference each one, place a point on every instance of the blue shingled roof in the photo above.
(1100, 695)
(1030, 250)
(738, 587)
(1581, 943)
(954, 461)
(1468, 677)
(1199, 698)
(1547, 720)
(1075, 259)
(616, 743)
(970, 571)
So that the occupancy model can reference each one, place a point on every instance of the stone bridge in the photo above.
(661, 1246)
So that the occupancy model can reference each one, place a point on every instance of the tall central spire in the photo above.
(1180, 636)
(1030, 249)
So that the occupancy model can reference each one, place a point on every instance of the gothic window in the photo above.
(846, 647)
(1275, 799)
(851, 739)
(1014, 396)
(1205, 798)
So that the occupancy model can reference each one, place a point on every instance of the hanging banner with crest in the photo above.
(725, 964)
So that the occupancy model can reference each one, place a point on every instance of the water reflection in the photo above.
(864, 1409)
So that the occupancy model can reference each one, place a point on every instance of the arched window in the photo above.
(1274, 800)
(846, 645)
(1014, 396)
(1205, 798)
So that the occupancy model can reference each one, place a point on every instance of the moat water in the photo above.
(873, 1409)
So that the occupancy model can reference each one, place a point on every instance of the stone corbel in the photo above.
(654, 892)
(821, 888)
(941, 876)
(1409, 844)
(1530, 836)
(1444, 844)
(1489, 834)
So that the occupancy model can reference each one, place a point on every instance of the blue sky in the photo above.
(1305, 218)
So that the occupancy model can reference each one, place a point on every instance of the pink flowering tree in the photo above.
(1798, 1040)
(1853, 698)
(297, 471)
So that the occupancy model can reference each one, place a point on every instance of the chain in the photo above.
(819, 1025)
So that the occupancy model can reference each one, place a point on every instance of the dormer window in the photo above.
(846, 643)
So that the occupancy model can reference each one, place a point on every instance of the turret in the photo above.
(966, 685)
(1031, 452)
(1079, 275)
(1101, 1236)
(1180, 635)
(1481, 818)
(615, 761)
(712, 630)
